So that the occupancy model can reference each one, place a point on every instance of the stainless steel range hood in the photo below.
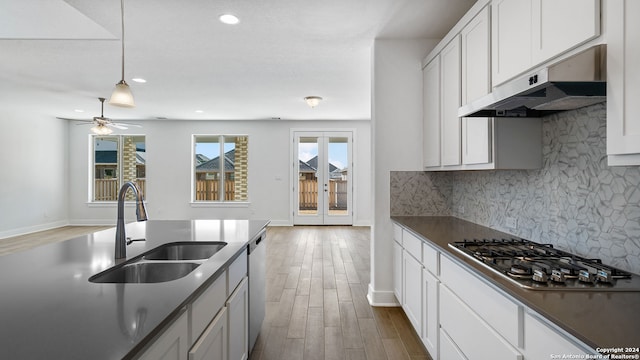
(575, 82)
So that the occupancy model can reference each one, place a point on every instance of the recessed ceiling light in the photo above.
(199, 111)
(139, 80)
(229, 19)
(79, 110)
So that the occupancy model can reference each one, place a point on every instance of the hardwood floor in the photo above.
(26, 242)
(317, 280)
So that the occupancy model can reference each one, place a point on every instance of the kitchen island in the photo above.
(601, 320)
(50, 309)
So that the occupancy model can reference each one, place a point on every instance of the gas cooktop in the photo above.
(542, 267)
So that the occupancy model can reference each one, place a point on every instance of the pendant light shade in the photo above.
(122, 95)
(101, 129)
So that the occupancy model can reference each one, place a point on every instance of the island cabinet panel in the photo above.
(473, 336)
(238, 310)
(212, 345)
(172, 344)
(205, 307)
(237, 271)
(623, 82)
(544, 342)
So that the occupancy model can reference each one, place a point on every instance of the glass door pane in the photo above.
(308, 182)
(338, 180)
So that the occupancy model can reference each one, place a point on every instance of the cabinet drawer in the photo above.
(497, 310)
(430, 259)
(237, 271)
(207, 305)
(470, 333)
(542, 341)
(412, 245)
(397, 233)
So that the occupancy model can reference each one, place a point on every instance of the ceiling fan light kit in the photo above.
(122, 95)
(101, 129)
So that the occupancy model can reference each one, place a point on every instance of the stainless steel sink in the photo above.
(187, 250)
(146, 272)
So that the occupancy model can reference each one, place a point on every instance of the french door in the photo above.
(322, 178)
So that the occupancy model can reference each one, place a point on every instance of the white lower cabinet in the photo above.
(397, 271)
(471, 334)
(412, 299)
(212, 344)
(430, 322)
(460, 316)
(544, 342)
(172, 344)
(238, 309)
(214, 326)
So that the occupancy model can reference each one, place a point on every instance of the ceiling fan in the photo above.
(103, 124)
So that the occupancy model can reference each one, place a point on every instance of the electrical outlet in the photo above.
(511, 222)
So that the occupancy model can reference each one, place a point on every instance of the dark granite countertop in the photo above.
(599, 319)
(49, 309)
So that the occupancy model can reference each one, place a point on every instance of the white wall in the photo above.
(168, 170)
(33, 185)
(397, 143)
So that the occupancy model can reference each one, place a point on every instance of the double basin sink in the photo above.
(167, 262)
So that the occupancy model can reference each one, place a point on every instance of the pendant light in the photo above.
(122, 95)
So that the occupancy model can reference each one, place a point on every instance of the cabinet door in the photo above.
(397, 271)
(238, 316)
(412, 299)
(430, 322)
(172, 344)
(212, 344)
(623, 80)
(476, 57)
(431, 113)
(510, 39)
(559, 25)
(448, 350)
(450, 103)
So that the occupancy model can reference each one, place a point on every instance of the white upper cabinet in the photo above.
(623, 82)
(510, 38)
(450, 103)
(476, 82)
(559, 25)
(526, 33)
(431, 113)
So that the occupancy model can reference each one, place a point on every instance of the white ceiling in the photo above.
(57, 56)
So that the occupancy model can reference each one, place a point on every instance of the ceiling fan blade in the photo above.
(117, 126)
(127, 124)
(70, 119)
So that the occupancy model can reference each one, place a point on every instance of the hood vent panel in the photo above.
(572, 83)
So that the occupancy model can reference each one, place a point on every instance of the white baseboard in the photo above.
(381, 298)
(31, 229)
(362, 223)
(280, 223)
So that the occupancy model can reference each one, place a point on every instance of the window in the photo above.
(117, 159)
(220, 167)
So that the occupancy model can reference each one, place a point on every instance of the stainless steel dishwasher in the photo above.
(257, 278)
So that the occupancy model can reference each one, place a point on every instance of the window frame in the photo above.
(221, 139)
(120, 178)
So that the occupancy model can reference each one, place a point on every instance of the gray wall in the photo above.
(575, 202)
